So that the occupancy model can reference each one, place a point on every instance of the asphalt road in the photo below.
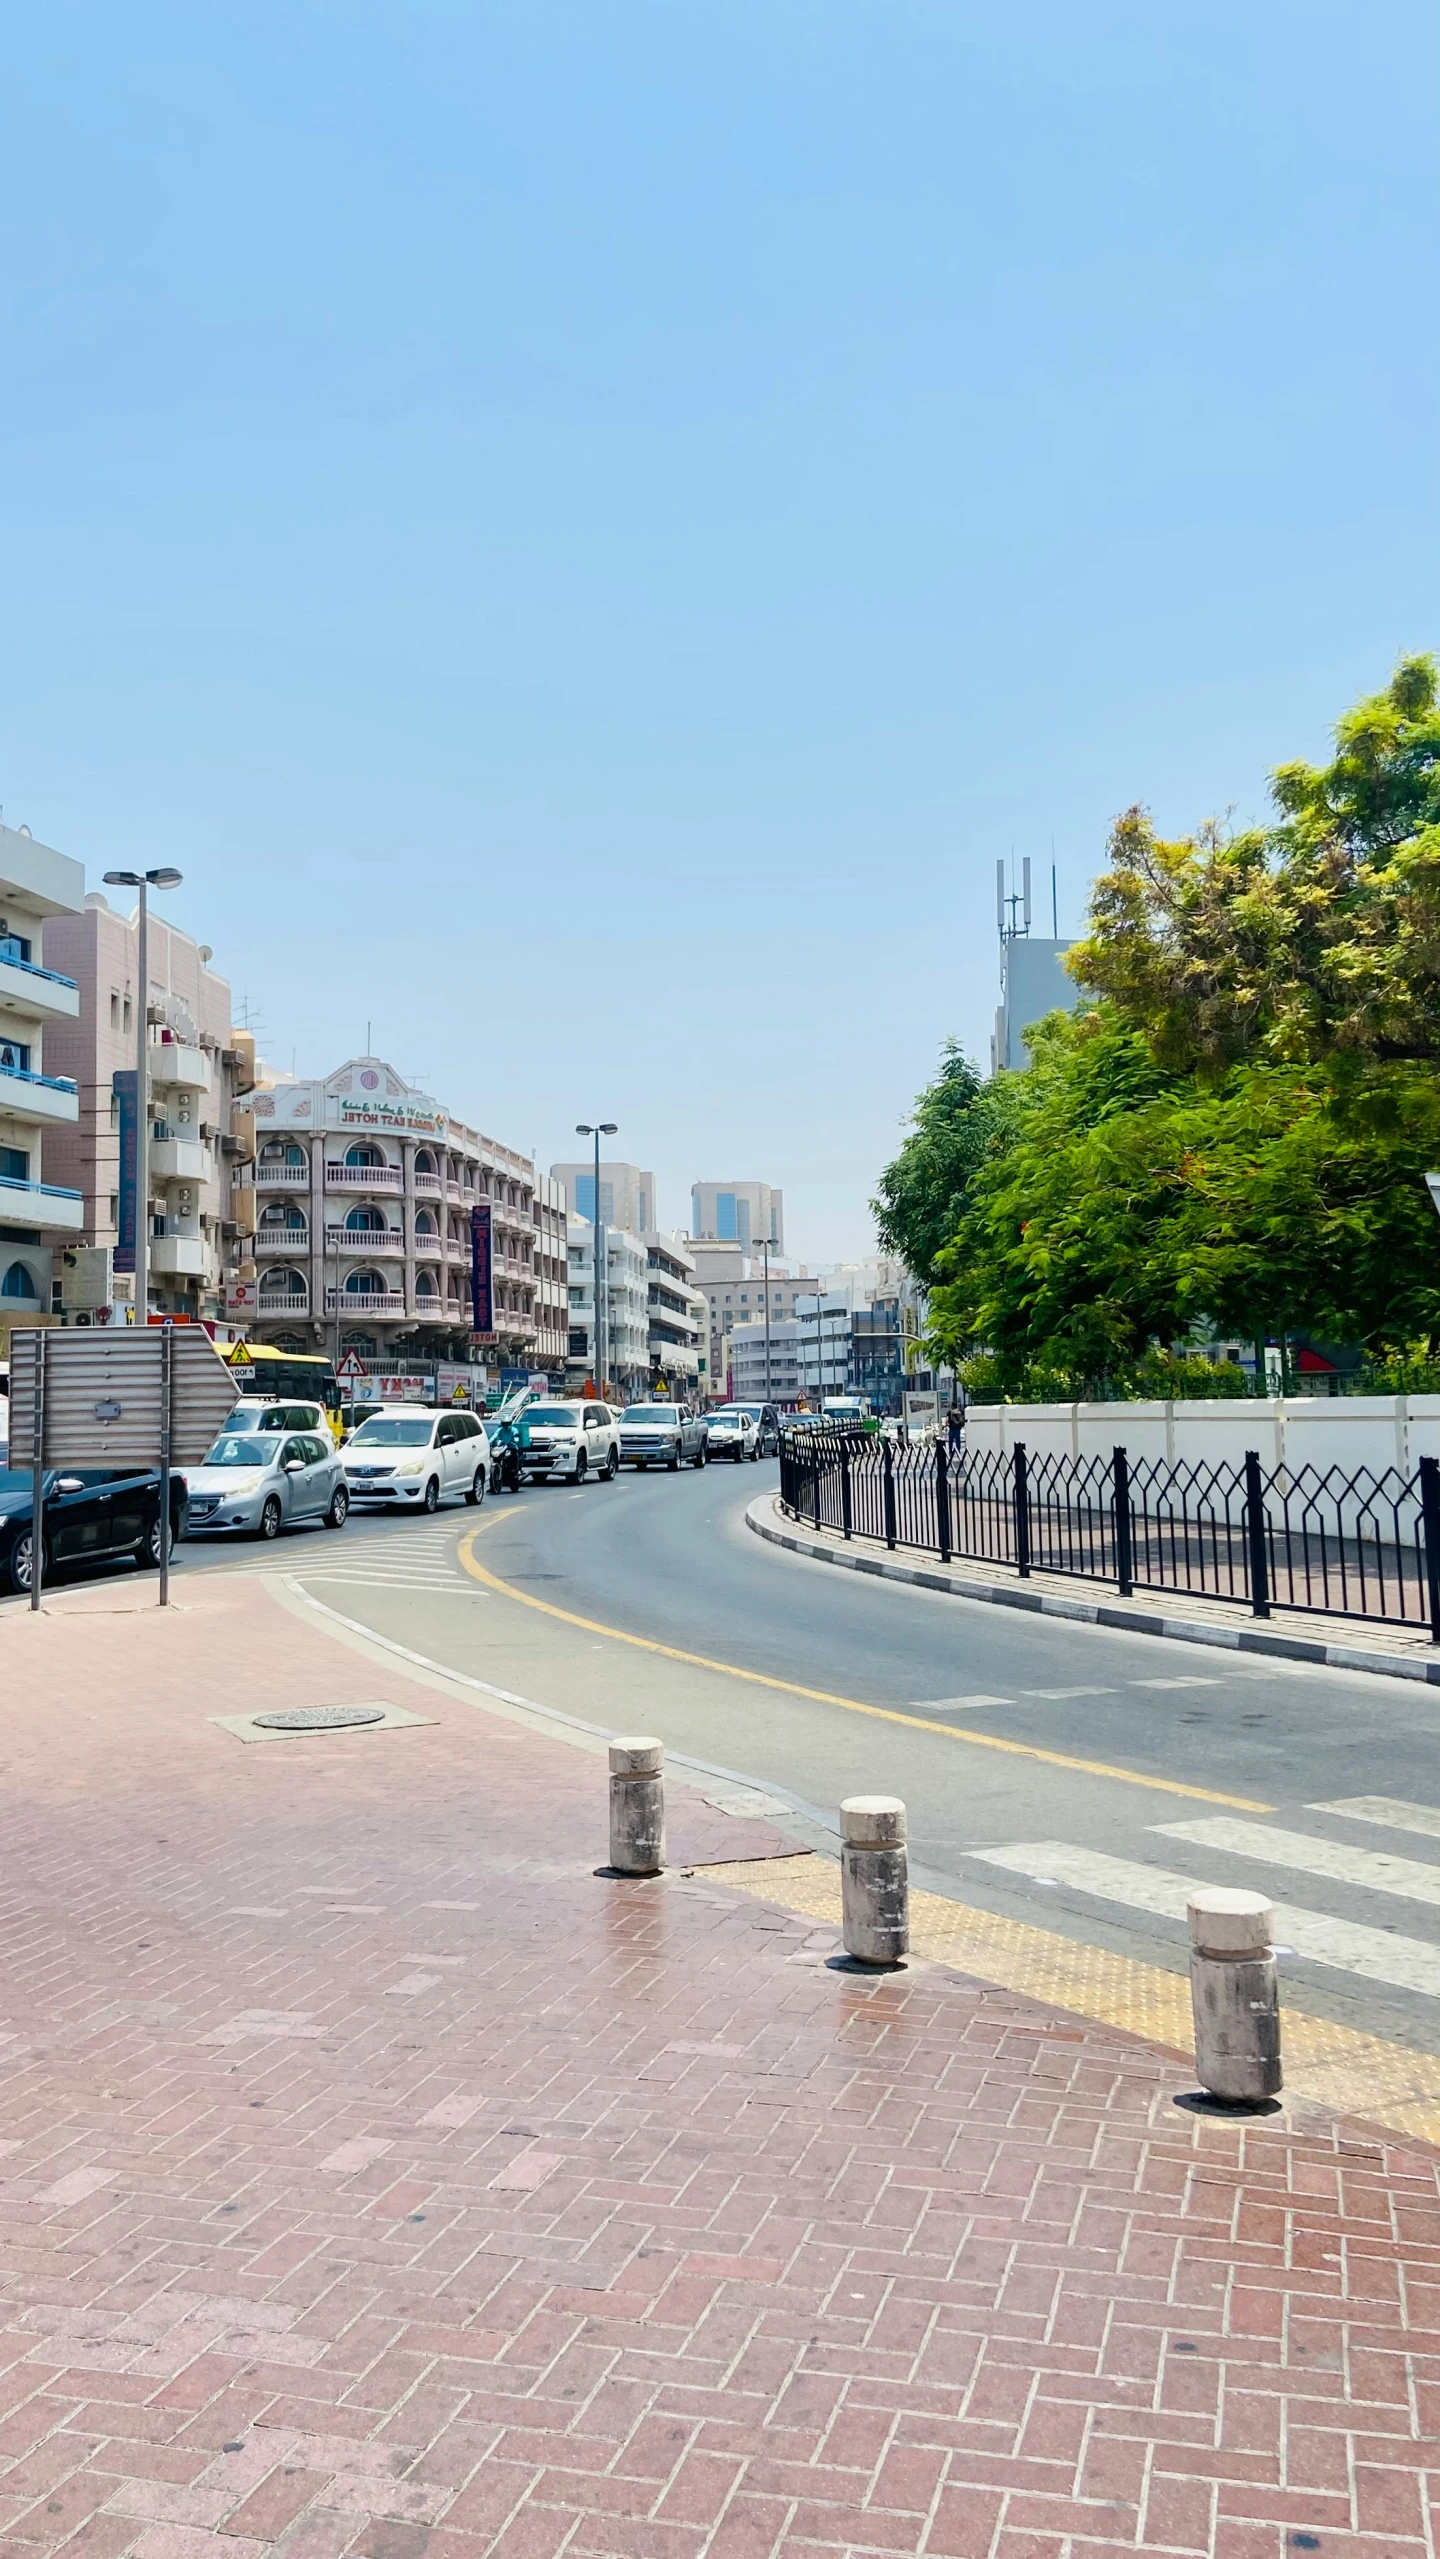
(1198, 1765)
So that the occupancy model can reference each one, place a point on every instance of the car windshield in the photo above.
(726, 1421)
(667, 1413)
(388, 1431)
(233, 1448)
(554, 1416)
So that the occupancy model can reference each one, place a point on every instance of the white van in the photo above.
(418, 1458)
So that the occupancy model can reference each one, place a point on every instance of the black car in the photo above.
(93, 1515)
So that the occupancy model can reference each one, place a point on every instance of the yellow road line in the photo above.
(852, 1705)
(1326, 2064)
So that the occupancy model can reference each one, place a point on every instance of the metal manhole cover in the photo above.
(319, 1719)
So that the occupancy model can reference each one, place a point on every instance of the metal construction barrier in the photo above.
(1363, 1545)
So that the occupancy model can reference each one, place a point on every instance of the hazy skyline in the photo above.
(630, 511)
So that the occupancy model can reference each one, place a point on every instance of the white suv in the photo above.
(571, 1441)
(416, 1457)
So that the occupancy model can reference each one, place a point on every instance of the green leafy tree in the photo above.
(1315, 938)
(923, 1195)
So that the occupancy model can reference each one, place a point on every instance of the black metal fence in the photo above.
(1362, 1545)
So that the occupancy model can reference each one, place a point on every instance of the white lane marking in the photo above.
(950, 1705)
(1067, 1692)
(1388, 1811)
(1403, 1963)
(1174, 1683)
(1371, 1869)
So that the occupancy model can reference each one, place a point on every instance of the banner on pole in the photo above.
(482, 1313)
(122, 1086)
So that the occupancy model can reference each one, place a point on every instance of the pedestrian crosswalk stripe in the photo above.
(952, 1705)
(1402, 1963)
(1067, 1692)
(1173, 1683)
(1373, 1870)
(1387, 1811)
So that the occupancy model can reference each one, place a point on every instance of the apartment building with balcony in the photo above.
(39, 1207)
(199, 1139)
(626, 1320)
(364, 1188)
(552, 1275)
(745, 1213)
(679, 1318)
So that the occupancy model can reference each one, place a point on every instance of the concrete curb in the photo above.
(767, 1522)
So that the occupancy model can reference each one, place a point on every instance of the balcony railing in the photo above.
(287, 1177)
(364, 1239)
(429, 1248)
(363, 1177)
(52, 1083)
(354, 1301)
(32, 968)
(282, 1239)
(429, 1184)
(38, 1190)
(283, 1301)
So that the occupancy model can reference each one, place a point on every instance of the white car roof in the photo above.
(406, 1413)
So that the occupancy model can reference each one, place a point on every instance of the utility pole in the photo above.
(765, 1249)
(597, 1130)
(143, 880)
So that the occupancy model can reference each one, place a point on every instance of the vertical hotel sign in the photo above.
(123, 1087)
(482, 1291)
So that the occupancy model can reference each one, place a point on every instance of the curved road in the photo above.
(1102, 1769)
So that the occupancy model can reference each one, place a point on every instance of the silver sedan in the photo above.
(254, 1483)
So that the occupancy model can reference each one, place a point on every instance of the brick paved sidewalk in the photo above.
(377, 2179)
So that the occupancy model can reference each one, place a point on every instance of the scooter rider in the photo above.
(511, 1438)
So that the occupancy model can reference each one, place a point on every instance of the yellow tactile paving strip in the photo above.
(1326, 2064)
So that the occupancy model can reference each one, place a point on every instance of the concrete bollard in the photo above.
(874, 1879)
(1235, 1995)
(637, 1805)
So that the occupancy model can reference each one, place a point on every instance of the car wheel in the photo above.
(476, 1493)
(580, 1466)
(269, 1527)
(151, 1548)
(432, 1494)
(339, 1510)
(22, 1561)
(699, 1457)
(672, 1465)
(755, 1454)
(612, 1465)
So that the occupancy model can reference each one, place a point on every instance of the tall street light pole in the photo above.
(765, 1249)
(597, 1130)
(143, 880)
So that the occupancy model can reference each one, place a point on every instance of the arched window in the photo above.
(363, 1344)
(424, 1222)
(366, 1221)
(364, 1284)
(18, 1282)
(363, 1154)
(291, 1342)
(283, 1213)
(424, 1160)
(424, 1285)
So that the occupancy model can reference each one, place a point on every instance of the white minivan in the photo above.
(417, 1458)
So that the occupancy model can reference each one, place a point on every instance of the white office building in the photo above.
(758, 1377)
(679, 1317)
(745, 1213)
(824, 1344)
(625, 1366)
(35, 1215)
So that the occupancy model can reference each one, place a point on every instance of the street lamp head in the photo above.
(165, 878)
(123, 880)
(608, 1128)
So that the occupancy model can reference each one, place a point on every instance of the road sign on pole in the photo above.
(352, 1365)
(103, 1397)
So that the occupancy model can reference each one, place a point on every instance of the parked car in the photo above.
(570, 1441)
(417, 1458)
(267, 1413)
(92, 1515)
(767, 1426)
(662, 1435)
(734, 1433)
(258, 1482)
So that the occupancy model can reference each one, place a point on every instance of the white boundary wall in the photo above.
(1345, 1431)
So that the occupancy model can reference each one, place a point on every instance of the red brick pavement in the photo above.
(377, 2179)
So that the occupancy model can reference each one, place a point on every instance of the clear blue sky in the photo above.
(583, 527)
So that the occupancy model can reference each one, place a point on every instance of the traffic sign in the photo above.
(352, 1365)
(240, 1357)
